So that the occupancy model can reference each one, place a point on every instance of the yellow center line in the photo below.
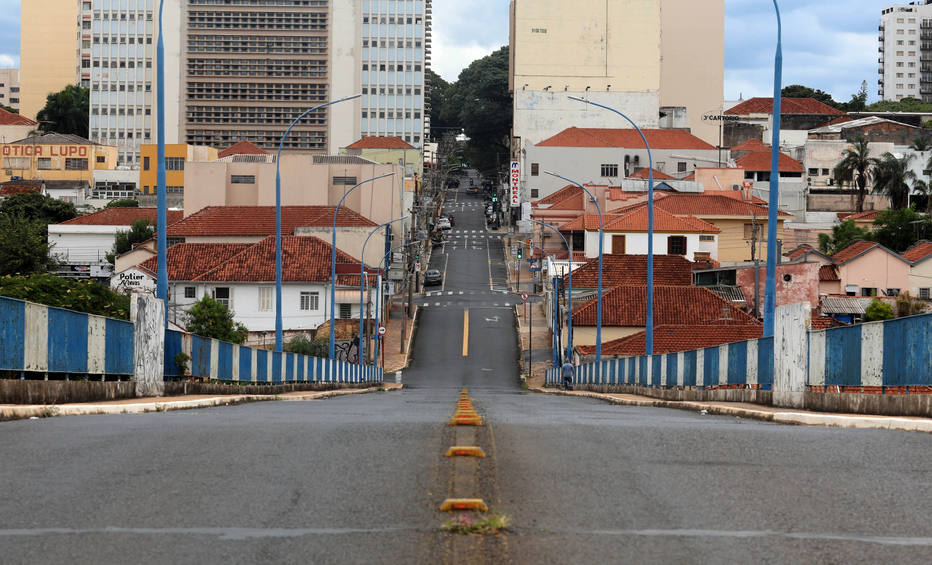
(466, 332)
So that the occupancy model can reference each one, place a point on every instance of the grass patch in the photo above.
(490, 523)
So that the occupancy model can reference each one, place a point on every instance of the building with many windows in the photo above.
(905, 51)
(9, 88)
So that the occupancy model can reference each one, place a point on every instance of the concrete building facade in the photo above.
(904, 34)
(48, 50)
(9, 88)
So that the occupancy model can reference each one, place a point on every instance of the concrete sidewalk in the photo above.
(759, 412)
(166, 403)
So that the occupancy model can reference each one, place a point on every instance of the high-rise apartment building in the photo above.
(250, 67)
(905, 51)
(48, 50)
(117, 60)
(9, 88)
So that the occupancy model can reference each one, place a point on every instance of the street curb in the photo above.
(788, 418)
(47, 411)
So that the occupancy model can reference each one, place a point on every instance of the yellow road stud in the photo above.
(465, 451)
(468, 421)
(475, 504)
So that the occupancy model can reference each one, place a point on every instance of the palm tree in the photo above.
(893, 177)
(856, 165)
(921, 143)
(922, 187)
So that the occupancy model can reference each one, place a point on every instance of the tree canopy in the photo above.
(79, 295)
(123, 203)
(24, 247)
(900, 229)
(138, 232)
(66, 111)
(210, 318)
(842, 234)
(35, 206)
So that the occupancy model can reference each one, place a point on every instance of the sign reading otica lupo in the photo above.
(515, 184)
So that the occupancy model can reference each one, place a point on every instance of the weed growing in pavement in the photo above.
(492, 523)
(46, 412)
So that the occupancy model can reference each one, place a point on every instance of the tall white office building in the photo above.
(117, 52)
(396, 37)
(905, 51)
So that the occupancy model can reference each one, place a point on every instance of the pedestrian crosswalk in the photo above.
(433, 293)
(449, 304)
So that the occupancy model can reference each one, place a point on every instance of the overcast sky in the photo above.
(826, 45)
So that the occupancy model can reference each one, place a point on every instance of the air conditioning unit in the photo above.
(736, 187)
(830, 181)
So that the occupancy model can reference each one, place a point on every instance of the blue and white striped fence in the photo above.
(893, 353)
(42, 339)
(219, 360)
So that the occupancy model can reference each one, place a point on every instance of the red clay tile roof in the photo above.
(852, 250)
(824, 322)
(13, 119)
(760, 161)
(124, 217)
(675, 338)
(921, 250)
(642, 174)
(669, 270)
(701, 205)
(636, 221)
(859, 216)
(561, 195)
(242, 147)
(804, 249)
(374, 142)
(628, 138)
(690, 176)
(260, 220)
(574, 202)
(14, 187)
(762, 105)
(752, 144)
(186, 261)
(304, 259)
(828, 273)
(736, 195)
(690, 305)
(587, 222)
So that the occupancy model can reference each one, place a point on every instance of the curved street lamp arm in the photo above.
(362, 282)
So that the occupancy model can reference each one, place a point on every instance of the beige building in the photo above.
(9, 88)
(54, 157)
(642, 57)
(47, 51)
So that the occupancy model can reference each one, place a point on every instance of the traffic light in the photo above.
(495, 199)
(520, 252)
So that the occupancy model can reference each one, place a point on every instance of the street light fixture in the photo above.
(379, 307)
(569, 299)
(278, 217)
(333, 260)
(362, 281)
(649, 328)
(598, 311)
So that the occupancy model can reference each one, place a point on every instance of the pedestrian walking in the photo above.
(567, 370)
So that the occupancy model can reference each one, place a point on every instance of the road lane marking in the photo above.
(466, 332)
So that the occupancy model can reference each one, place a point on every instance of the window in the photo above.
(72, 164)
(826, 172)
(706, 238)
(101, 159)
(618, 245)
(535, 169)
(346, 311)
(893, 292)
(702, 256)
(925, 293)
(242, 179)
(344, 181)
(174, 163)
(813, 171)
(266, 298)
(310, 300)
(222, 295)
(868, 292)
(609, 170)
(681, 166)
(145, 163)
(189, 292)
(535, 192)
(676, 245)
(45, 163)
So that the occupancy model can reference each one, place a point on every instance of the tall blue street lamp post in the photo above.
(598, 307)
(161, 220)
(333, 260)
(649, 328)
(774, 200)
(569, 300)
(278, 220)
(362, 282)
(379, 302)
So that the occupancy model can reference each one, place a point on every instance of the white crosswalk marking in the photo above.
(508, 304)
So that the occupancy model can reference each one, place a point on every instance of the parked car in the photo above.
(443, 223)
(433, 277)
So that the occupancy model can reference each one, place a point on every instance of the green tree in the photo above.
(66, 111)
(443, 117)
(907, 104)
(307, 346)
(877, 311)
(899, 229)
(906, 306)
(123, 203)
(921, 143)
(842, 234)
(856, 166)
(210, 318)
(858, 101)
(35, 206)
(79, 295)
(893, 177)
(139, 231)
(800, 91)
(24, 246)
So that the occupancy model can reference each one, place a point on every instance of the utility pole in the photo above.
(756, 261)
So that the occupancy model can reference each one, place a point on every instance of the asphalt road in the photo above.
(359, 479)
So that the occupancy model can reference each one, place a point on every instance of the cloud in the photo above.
(8, 61)
(466, 31)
